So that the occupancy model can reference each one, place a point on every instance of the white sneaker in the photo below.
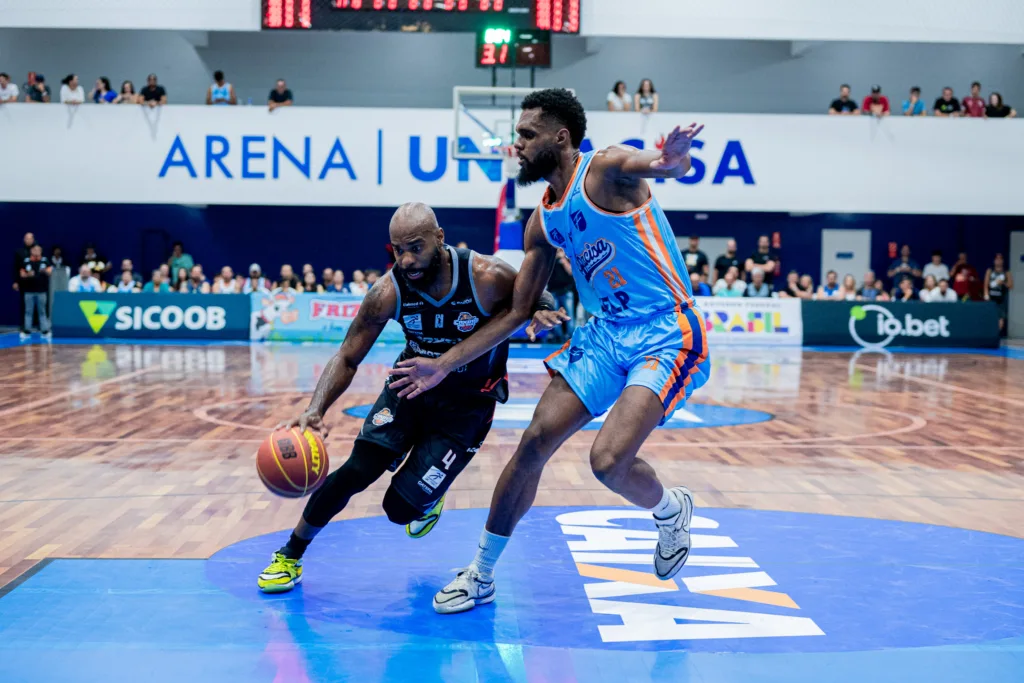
(48, 336)
(674, 536)
(22, 336)
(466, 591)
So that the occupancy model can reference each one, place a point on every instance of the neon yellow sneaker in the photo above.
(281, 575)
(422, 526)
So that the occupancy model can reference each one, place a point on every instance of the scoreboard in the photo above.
(513, 48)
(557, 16)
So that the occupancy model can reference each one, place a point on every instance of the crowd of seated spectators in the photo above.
(946, 105)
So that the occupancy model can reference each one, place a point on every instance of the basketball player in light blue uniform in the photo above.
(643, 352)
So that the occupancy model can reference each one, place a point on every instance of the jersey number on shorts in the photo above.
(448, 459)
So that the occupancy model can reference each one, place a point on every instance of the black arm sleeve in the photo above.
(546, 302)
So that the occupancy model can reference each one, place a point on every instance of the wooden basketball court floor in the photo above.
(860, 517)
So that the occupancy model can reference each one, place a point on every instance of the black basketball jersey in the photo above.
(433, 326)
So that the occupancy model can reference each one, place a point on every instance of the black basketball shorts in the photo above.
(440, 433)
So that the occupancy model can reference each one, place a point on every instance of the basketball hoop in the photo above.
(509, 161)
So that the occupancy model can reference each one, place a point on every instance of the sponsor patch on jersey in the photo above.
(383, 417)
(466, 322)
(575, 353)
(433, 477)
(556, 237)
(413, 322)
(579, 220)
(464, 302)
(594, 256)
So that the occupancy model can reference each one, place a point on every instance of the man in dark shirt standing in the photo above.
(764, 259)
(280, 96)
(726, 261)
(843, 105)
(35, 283)
(153, 94)
(563, 287)
(696, 260)
(947, 106)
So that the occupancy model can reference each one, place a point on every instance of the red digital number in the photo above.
(543, 14)
(463, 5)
(428, 5)
(306, 14)
(392, 4)
(485, 5)
(556, 15)
(414, 4)
(499, 5)
(574, 16)
(503, 55)
(488, 58)
(378, 4)
(275, 15)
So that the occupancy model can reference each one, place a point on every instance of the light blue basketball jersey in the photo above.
(627, 266)
(220, 92)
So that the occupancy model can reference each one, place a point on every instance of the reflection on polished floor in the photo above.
(859, 519)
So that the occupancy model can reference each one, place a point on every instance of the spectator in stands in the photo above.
(998, 283)
(220, 91)
(98, 264)
(876, 104)
(36, 89)
(225, 282)
(849, 290)
(8, 91)
(764, 258)
(930, 288)
(306, 268)
(178, 260)
(843, 105)
(196, 282)
(905, 291)
(726, 261)
(60, 275)
(730, 284)
(904, 268)
(157, 284)
(280, 96)
(153, 94)
(944, 293)
(966, 282)
(309, 284)
(830, 289)
(129, 267)
(871, 290)
(337, 285)
(255, 282)
(127, 95)
(618, 100)
(791, 289)
(101, 92)
(20, 254)
(974, 105)
(700, 288)
(371, 277)
(563, 288)
(758, 286)
(84, 281)
(71, 91)
(165, 270)
(936, 268)
(695, 259)
(35, 284)
(914, 106)
(358, 285)
(646, 98)
(288, 281)
(180, 276)
(125, 285)
(947, 105)
(997, 110)
(327, 277)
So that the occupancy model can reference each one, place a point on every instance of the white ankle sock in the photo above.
(668, 507)
(487, 554)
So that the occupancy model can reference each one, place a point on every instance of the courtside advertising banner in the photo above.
(875, 325)
(151, 316)
(282, 316)
(329, 156)
(734, 321)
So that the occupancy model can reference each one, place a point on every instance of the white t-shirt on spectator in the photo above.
(936, 296)
(90, 284)
(358, 288)
(939, 272)
(7, 93)
(69, 96)
(618, 103)
(722, 288)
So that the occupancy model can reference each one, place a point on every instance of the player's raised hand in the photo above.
(546, 320)
(676, 147)
(417, 375)
(311, 420)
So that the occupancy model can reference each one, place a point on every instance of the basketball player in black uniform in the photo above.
(439, 295)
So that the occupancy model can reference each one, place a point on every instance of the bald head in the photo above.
(418, 243)
(411, 220)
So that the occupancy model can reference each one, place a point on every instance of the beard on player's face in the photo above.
(427, 274)
(544, 162)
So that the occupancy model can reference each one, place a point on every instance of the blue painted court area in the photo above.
(766, 596)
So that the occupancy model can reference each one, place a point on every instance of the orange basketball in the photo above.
(292, 463)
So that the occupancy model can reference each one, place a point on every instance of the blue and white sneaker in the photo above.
(674, 536)
(466, 591)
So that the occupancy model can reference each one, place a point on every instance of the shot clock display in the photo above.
(559, 16)
(507, 48)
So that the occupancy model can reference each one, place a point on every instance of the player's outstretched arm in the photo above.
(377, 308)
(671, 161)
(522, 291)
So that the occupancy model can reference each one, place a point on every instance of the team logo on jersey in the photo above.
(383, 417)
(413, 322)
(575, 353)
(556, 237)
(594, 256)
(466, 322)
(579, 220)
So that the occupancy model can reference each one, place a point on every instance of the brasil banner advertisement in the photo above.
(738, 320)
(281, 316)
(877, 325)
(151, 316)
